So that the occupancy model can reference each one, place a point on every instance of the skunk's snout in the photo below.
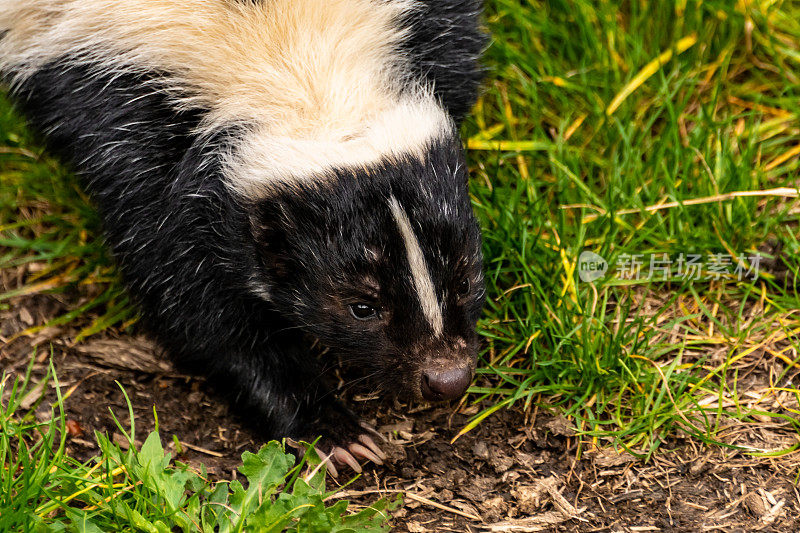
(445, 384)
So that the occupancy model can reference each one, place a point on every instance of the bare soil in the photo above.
(515, 472)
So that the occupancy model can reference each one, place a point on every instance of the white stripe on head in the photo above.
(419, 269)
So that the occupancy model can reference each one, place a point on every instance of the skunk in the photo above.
(273, 174)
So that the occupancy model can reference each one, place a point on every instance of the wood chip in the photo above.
(33, 395)
(542, 522)
(137, 353)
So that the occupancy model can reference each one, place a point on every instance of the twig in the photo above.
(200, 449)
(787, 192)
(432, 503)
(409, 495)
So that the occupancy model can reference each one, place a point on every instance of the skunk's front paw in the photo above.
(350, 453)
(345, 441)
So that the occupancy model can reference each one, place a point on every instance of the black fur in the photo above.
(444, 46)
(196, 257)
(181, 239)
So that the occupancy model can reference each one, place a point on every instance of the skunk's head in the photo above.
(382, 264)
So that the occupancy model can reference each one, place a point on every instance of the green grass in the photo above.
(43, 489)
(592, 113)
(49, 229)
(617, 127)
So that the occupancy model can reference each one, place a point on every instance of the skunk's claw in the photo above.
(373, 431)
(327, 460)
(344, 457)
(369, 443)
(350, 454)
(357, 450)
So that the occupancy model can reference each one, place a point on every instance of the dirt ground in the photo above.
(515, 472)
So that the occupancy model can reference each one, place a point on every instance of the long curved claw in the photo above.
(365, 453)
(369, 443)
(343, 456)
(373, 431)
(326, 460)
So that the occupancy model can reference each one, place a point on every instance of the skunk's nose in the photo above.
(439, 385)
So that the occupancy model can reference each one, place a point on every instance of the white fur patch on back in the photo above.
(419, 269)
(316, 81)
(264, 160)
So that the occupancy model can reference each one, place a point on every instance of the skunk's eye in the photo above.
(462, 289)
(363, 311)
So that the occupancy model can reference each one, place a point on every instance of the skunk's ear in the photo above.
(270, 224)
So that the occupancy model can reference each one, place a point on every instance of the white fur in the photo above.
(316, 81)
(419, 269)
(406, 129)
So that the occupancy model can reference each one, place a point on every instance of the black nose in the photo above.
(439, 385)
